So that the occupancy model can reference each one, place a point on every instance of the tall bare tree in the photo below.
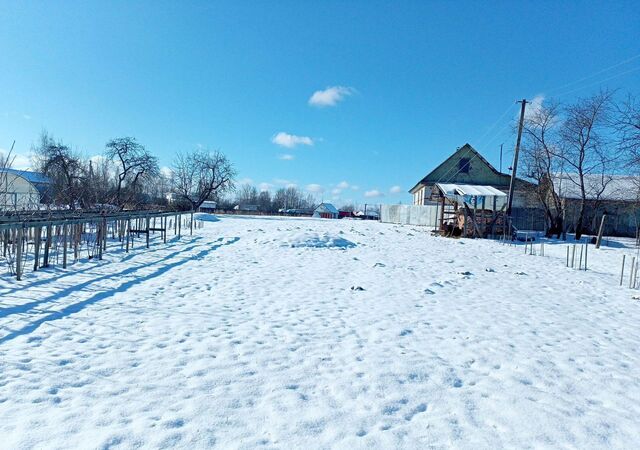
(63, 167)
(585, 146)
(540, 139)
(201, 175)
(134, 164)
(627, 125)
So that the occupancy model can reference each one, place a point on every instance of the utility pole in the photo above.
(501, 157)
(514, 169)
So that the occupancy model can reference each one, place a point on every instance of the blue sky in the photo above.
(414, 80)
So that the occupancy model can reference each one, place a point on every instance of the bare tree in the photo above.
(264, 201)
(540, 139)
(134, 165)
(201, 175)
(627, 125)
(585, 147)
(63, 167)
(247, 195)
(291, 198)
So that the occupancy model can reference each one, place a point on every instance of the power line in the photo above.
(606, 69)
(635, 69)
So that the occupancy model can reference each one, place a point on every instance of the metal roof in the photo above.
(32, 177)
(327, 207)
(450, 189)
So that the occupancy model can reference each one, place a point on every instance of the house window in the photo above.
(464, 165)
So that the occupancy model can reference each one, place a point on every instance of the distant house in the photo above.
(370, 214)
(618, 196)
(467, 166)
(246, 208)
(326, 211)
(208, 206)
(23, 189)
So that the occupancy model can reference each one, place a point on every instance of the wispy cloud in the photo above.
(343, 185)
(395, 190)
(315, 188)
(331, 96)
(286, 157)
(285, 182)
(265, 186)
(373, 193)
(290, 140)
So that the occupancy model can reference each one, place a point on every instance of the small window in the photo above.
(464, 165)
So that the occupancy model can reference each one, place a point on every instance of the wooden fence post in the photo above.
(64, 246)
(600, 231)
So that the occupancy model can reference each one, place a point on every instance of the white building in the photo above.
(22, 190)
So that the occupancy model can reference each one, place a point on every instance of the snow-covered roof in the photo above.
(327, 207)
(450, 189)
(610, 187)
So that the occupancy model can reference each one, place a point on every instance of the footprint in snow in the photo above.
(466, 273)
(520, 273)
(378, 264)
(357, 288)
(429, 292)
(488, 269)
(422, 407)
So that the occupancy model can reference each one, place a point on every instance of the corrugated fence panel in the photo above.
(409, 214)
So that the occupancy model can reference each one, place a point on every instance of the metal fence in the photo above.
(34, 238)
(426, 215)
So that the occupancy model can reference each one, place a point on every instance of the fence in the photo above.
(426, 215)
(532, 219)
(35, 238)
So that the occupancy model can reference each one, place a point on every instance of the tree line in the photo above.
(582, 144)
(127, 176)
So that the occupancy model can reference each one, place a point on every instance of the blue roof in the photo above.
(327, 207)
(32, 177)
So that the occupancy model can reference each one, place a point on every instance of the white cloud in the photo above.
(166, 171)
(395, 190)
(533, 107)
(18, 161)
(373, 193)
(315, 188)
(265, 186)
(290, 140)
(343, 185)
(286, 157)
(245, 180)
(336, 191)
(330, 96)
(355, 188)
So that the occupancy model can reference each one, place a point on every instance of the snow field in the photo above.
(250, 334)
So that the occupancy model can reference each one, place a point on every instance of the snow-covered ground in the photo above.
(302, 333)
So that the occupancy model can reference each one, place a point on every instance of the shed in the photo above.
(208, 206)
(470, 209)
(22, 189)
(326, 211)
